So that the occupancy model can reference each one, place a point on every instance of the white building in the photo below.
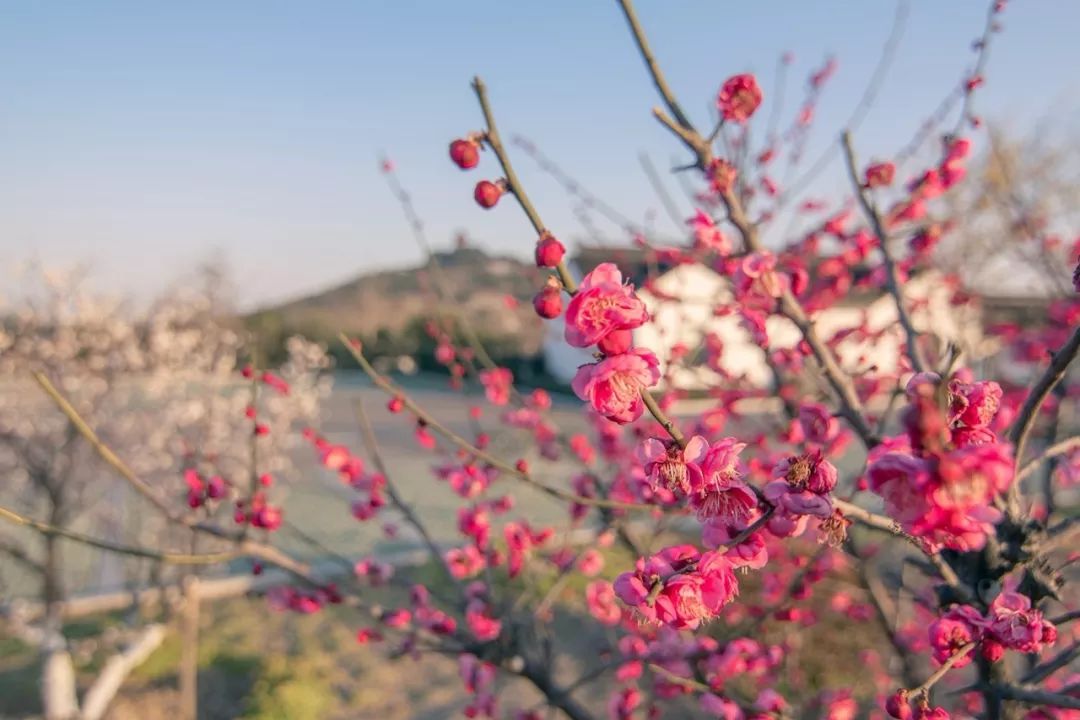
(682, 309)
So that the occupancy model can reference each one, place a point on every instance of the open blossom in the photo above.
(669, 466)
(972, 407)
(613, 386)
(942, 486)
(1014, 623)
(957, 628)
(802, 485)
(679, 586)
(722, 493)
(751, 552)
(602, 305)
(465, 562)
(739, 97)
(721, 175)
(945, 499)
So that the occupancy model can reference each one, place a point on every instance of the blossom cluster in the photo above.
(939, 480)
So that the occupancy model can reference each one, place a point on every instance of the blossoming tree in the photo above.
(162, 389)
(899, 508)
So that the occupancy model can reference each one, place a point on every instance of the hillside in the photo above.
(388, 308)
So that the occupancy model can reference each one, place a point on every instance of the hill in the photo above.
(388, 309)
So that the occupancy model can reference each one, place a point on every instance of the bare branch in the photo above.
(892, 273)
(1055, 371)
(372, 446)
(165, 557)
(1037, 696)
(495, 142)
(421, 414)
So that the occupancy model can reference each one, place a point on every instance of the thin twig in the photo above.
(1037, 696)
(495, 142)
(1061, 448)
(117, 548)
(887, 524)
(421, 414)
(372, 446)
(1052, 665)
(1025, 421)
(946, 666)
(892, 272)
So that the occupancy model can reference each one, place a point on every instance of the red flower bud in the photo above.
(465, 154)
(548, 302)
(549, 251)
(880, 174)
(897, 706)
(992, 651)
(487, 194)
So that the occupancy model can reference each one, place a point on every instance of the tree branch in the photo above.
(372, 445)
(892, 273)
(1053, 374)
(495, 142)
(1037, 696)
(165, 557)
(421, 414)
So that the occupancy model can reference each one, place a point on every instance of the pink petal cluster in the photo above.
(667, 465)
(1010, 623)
(947, 498)
(602, 305)
(802, 484)
(613, 386)
(942, 486)
(722, 493)
(739, 97)
(751, 552)
(600, 597)
(679, 587)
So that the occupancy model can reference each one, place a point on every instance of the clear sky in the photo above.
(143, 136)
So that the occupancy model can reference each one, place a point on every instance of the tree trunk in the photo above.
(58, 698)
(189, 650)
(108, 682)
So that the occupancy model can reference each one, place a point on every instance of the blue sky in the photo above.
(143, 136)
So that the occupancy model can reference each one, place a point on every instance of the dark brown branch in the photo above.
(1021, 429)
(1037, 696)
(1052, 665)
